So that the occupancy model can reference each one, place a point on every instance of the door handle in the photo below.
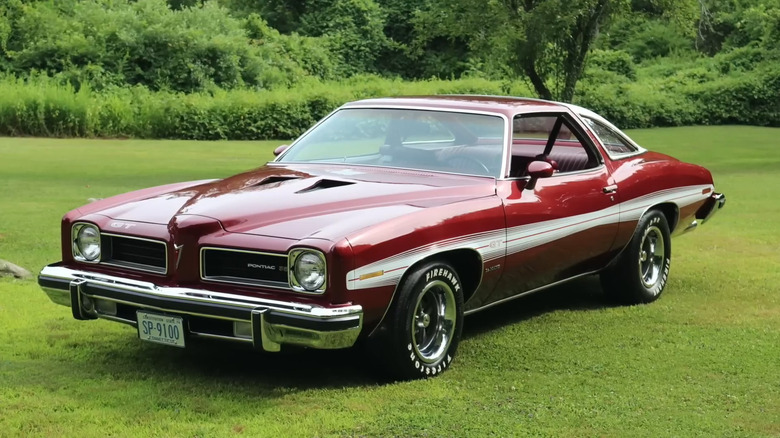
(610, 189)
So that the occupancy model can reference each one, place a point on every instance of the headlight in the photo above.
(307, 270)
(86, 242)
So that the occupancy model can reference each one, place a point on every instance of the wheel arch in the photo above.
(671, 211)
(466, 262)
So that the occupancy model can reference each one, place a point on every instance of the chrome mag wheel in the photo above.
(433, 321)
(652, 253)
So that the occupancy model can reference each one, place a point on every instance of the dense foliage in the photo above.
(269, 68)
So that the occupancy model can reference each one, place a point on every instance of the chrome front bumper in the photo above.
(266, 324)
(715, 202)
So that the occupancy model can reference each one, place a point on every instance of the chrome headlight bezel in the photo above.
(79, 253)
(294, 257)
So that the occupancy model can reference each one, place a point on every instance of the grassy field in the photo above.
(704, 360)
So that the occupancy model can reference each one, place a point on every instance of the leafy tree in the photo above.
(353, 30)
(546, 41)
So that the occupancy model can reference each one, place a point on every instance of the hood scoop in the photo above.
(325, 184)
(274, 180)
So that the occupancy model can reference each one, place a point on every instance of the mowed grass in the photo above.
(704, 360)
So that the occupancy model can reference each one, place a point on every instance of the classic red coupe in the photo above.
(388, 221)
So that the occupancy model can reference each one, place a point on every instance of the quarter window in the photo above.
(612, 141)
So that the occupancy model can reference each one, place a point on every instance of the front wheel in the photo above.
(423, 326)
(640, 273)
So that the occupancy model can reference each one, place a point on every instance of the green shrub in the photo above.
(105, 43)
(752, 99)
(44, 106)
(745, 59)
(645, 38)
(616, 61)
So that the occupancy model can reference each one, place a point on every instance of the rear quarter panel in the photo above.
(652, 179)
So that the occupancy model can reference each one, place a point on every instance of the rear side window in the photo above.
(548, 137)
(613, 142)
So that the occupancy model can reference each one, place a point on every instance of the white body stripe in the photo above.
(495, 244)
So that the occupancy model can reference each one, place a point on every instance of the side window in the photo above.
(548, 138)
(612, 141)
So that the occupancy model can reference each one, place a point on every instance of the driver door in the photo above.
(559, 226)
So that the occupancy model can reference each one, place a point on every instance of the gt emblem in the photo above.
(123, 225)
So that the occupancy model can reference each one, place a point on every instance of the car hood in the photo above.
(316, 201)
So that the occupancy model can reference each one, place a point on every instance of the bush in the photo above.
(646, 39)
(745, 59)
(40, 107)
(105, 43)
(616, 61)
(752, 99)
(43, 106)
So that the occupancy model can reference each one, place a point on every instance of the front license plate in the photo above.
(162, 329)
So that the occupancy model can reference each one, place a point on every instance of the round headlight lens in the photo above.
(309, 271)
(88, 242)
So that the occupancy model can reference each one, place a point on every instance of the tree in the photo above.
(547, 41)
(352, 29)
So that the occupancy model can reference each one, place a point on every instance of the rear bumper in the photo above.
(715, 202)
(267, 324)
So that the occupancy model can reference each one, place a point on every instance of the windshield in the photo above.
(413, 139)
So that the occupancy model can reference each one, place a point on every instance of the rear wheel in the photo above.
(422, 330)
(641, 271)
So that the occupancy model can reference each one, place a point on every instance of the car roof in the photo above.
(496, 104)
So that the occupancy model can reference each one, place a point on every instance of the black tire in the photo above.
(640, 272)
(422, 329)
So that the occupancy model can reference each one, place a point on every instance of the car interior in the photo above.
(548, 138)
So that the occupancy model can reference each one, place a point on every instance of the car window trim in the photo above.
(507, 144)
(575, 126)
(582, 113)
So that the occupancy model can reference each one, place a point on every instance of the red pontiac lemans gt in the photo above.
(388, 221)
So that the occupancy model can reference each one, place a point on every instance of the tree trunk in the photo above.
(529, 67)
(577, 51)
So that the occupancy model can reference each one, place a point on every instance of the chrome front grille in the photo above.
(244, 267)
(135, 253)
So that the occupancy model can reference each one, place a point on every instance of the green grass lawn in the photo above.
(704, 360)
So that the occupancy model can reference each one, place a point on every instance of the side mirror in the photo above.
(280, 149)
(538, 169)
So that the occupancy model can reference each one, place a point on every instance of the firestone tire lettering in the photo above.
(396, 347)
(623, 281)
